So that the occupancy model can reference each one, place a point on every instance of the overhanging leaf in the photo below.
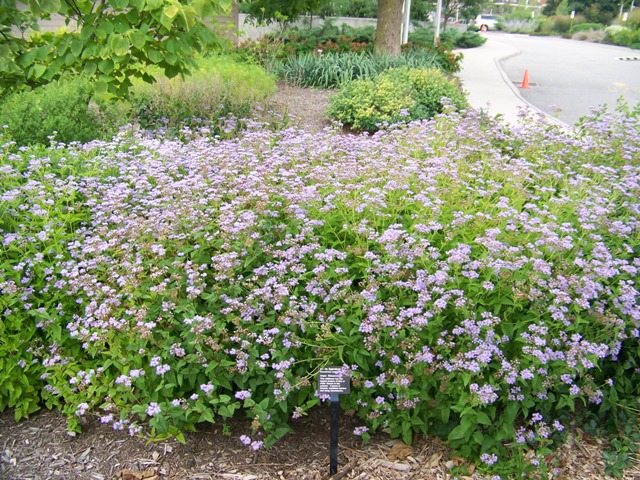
(171, 11)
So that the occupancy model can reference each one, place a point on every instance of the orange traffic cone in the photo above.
(525, 80)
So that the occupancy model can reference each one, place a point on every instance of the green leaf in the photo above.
(153, 4)
(172, 46)
(460, 432)
(42, 53)
(86, 32)
(90, 68)
(137, 38)
(121, 24)
(282, 431)
(227, 411)
(69, 59)
(50, 6)
(24, 60)
(119, 4)
(207, 416)
(171, 11)
(171, 71)
(104, 29)
(154, 55)
(166, 21)
(76, 47)
(203, 8)
(171, 58)
(119, 45)
(189, 16)
(38, 70)
(106, 66)
(445, 412)
(483, 418)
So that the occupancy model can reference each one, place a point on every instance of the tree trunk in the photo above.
(389, 29)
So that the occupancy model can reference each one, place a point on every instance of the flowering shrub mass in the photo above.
(476, 283)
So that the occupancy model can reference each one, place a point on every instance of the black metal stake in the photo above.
(333, 442)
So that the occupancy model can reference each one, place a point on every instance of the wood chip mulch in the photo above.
(40, 448)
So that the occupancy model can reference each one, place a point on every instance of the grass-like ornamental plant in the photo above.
(331, 70)
(476, 283)
(221, 88)
(394, 96)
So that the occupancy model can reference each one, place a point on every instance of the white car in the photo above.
(486, 22)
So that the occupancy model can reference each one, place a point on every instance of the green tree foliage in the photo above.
(115, 40)
(269, 11)
(351, 8)
(601, 11)
(463, 8)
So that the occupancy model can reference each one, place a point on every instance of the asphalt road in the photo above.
(567, 78)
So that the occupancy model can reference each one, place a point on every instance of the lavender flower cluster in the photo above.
(449, 265)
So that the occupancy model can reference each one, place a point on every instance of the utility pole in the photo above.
(436, 37)
(406, 14)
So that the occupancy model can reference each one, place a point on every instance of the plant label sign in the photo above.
(331, 381)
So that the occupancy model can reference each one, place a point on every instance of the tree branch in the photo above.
(73, 6)
(98, 10)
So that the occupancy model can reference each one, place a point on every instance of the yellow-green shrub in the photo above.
(394, 96)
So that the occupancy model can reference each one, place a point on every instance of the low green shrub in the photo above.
(421, 38)
(223, 87)
(469, 40)
(274, 48)
(620, 35)
(587, 27)
(559, 24)
(329, 70)
(394, 96)
(60, 109)
(449, 38)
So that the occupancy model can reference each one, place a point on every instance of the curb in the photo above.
(517, 93)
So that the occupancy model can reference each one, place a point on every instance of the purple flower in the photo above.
(81, 409)
(207, 388)
(243, 394)
(153, 409)
(257, 445)
(360, 430)
(488, 459)
(106, 418)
